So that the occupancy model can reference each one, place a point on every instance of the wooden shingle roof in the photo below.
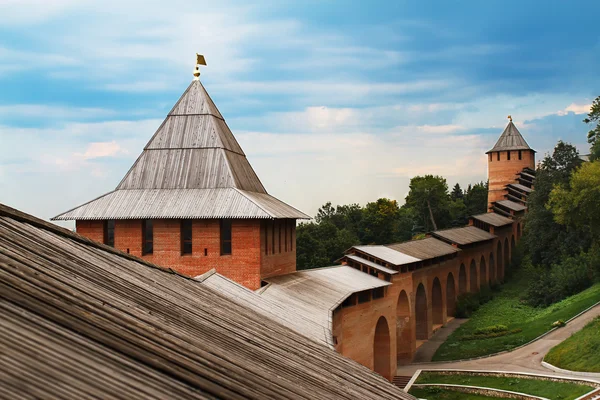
(463, 236)
(424, 249)
(191, 159)
(511, 139)
(493, 219)
(82, 320)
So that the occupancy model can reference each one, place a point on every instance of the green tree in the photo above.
(545, 240)
(320, 245)
(380, 222)
(594, 134)
(476, 199)
(578, 205)
(430, 201)
(457, 193)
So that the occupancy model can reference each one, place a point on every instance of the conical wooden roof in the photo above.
(193, 167)
(511, 139)
(193, 149)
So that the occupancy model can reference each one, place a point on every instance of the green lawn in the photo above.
(548, 389)
(440, 394)
(507, 309)
(580, 352)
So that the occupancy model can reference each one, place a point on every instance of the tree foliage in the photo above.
(544, 238)
(594, 134)
(562, 227)
(337, 228)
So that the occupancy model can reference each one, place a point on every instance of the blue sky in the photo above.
(331, 101)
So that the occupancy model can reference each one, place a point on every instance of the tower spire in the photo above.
(199, 61)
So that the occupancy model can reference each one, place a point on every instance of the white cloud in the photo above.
(45, 111)
(101, 149)
(576, 108)
(437, 129)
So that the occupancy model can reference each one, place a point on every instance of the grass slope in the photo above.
(548, 389)
(580, 352)
(441, 394)
(507, 309)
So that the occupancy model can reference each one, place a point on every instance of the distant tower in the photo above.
(507, 161)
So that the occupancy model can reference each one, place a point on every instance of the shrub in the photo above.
(468, 303)
(572, 275)
(491, 329)
(559, 323)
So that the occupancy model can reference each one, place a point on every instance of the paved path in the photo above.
(427, 350)
(526, 359)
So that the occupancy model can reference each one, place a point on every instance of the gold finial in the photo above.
(199, 61)
(509, 117)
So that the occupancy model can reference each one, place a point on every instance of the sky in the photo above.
(331, 100)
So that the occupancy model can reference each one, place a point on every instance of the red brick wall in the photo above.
(354, 328)
(253, 255)
(243, 265)
(279, 259)
(91, 229)
(503, 172)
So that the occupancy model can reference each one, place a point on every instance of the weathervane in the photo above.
(509, 117)
(199, 61)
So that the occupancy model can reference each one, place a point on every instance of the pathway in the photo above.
(526, 359)
(426, 351)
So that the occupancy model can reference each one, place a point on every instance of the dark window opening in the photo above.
(349, 301)
(147, 237)
(186, 236)
(498, 156)
(378, 293)
(364, 297)
(520, 155)
(490, 157)
(292, 226)
(225, 237)
(109, 232)
(508, 155)
(373, 272)
(279, 234)
(286, 225)
(273, 237)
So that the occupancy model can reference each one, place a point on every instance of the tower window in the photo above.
(225, 237)
(285, 230)
(498, 156)
(508, 155)
(147, 237)
(490, 157)
(279, 234)
(109, 232)
(186, 236)
(273, 237)
(520, 155)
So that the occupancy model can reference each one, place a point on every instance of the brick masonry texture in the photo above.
(503, 172)
(248, 263)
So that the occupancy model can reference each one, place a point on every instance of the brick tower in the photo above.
(192, 202)
(511, 168)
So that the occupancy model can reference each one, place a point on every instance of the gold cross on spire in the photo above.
(199, 61)
(509, 117)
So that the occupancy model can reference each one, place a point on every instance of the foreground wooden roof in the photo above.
(193, 158)
(82, 320)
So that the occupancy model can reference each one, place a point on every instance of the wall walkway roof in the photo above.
(463, 236)
(493, 219)
(314, 294)
(80, 320)
(424, 249)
